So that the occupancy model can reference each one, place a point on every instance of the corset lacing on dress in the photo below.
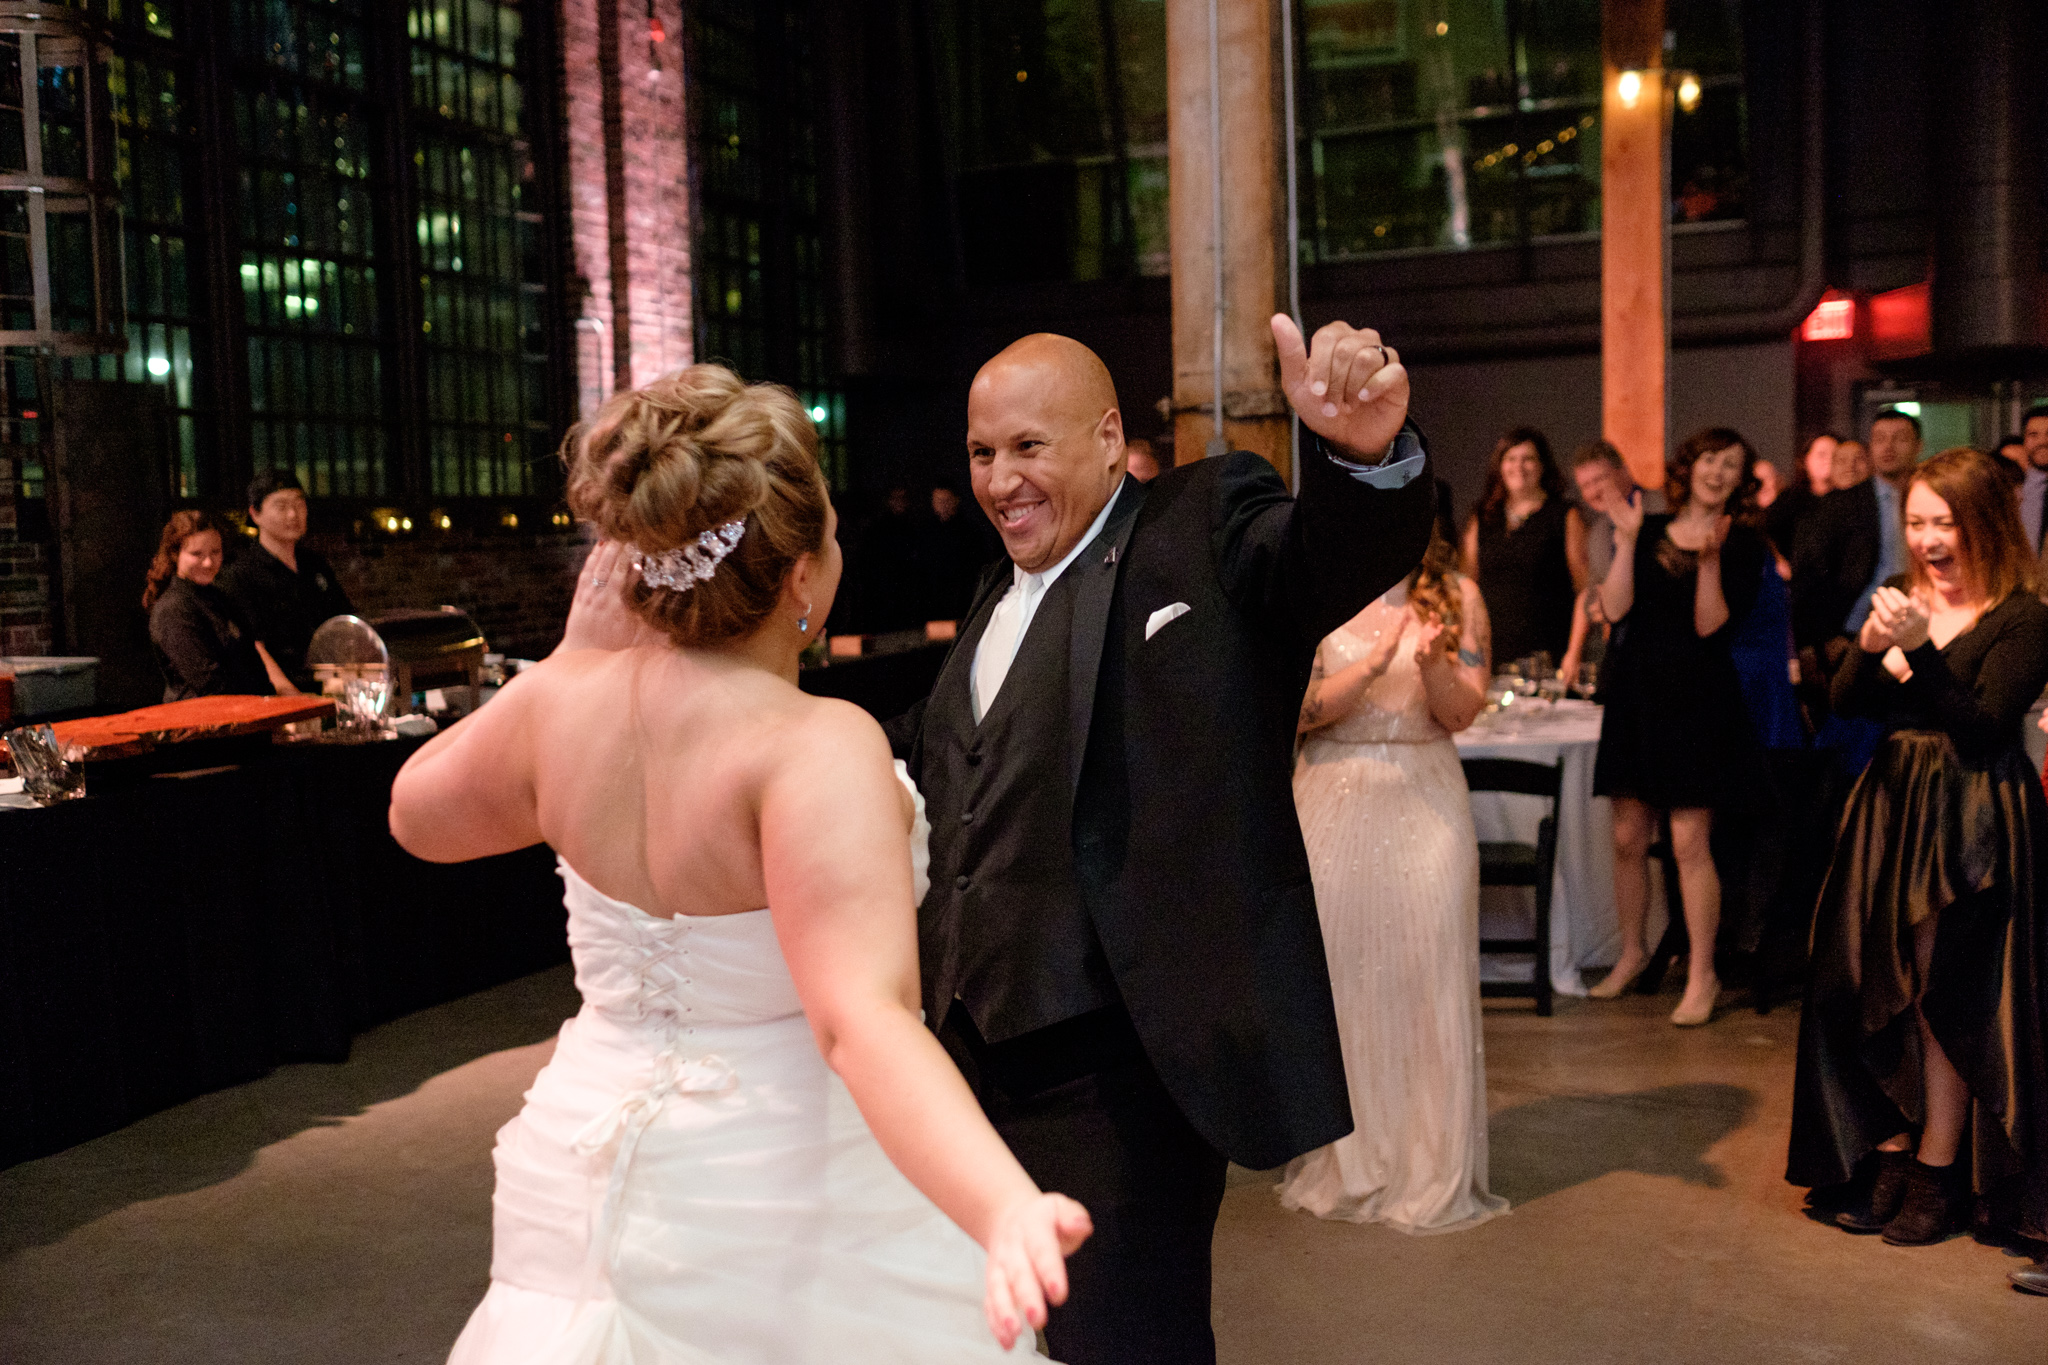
(650, 959)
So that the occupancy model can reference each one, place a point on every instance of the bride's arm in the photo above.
(836, 861)
(469, 792)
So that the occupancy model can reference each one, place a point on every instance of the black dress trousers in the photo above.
(1087, 1116)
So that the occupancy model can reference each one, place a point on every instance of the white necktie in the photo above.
(998, 648)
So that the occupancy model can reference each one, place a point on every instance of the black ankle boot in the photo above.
(1933, 1207)
(1887, 1194)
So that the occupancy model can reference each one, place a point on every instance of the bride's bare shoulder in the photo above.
(812, 725)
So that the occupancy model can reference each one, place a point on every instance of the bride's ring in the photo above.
(599, 582)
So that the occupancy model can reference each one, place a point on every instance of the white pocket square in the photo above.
(1163, 615)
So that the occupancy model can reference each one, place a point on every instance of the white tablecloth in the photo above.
(1583, 930)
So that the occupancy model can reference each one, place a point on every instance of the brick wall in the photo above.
(517, 588)
(628, 196)
(24, 580)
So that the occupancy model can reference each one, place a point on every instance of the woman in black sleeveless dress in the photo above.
(1676, 738)
(1525, 547)
(1926, 1018)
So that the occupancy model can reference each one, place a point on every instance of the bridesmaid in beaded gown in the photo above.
(1396, 868)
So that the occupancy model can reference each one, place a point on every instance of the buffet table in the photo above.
(179, 932)
(1583, 930)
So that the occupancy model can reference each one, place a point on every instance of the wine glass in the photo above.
(363, 699)
(1588, 680)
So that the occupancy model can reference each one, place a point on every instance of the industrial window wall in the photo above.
(1061, 106)
(148, 114)
(758, 261)
(1422, 125)
(378, 315)
(1444, 124)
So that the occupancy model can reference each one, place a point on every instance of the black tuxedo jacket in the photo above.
(1181, 751)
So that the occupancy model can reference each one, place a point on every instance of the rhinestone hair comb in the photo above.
(682, 569)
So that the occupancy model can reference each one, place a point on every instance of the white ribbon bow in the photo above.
(627, 1120)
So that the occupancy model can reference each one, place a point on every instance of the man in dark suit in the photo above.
(1120, 946)
(1834, 553)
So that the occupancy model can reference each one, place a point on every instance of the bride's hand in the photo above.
(598, 615)
(1027, 1266)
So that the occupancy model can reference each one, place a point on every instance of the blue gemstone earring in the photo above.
(803, 623)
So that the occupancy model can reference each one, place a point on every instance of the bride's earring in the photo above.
(803, 623)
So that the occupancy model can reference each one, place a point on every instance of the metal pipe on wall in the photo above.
(1217, 445)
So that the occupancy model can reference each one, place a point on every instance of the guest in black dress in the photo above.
(1676, 737)
(1802, 493)
(1927, 1013)
(203, 642)
(1525, 546)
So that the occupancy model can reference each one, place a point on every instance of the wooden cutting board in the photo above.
(176, 722)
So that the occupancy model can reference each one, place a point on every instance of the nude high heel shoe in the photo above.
(1693, 1018)
(1616, 981)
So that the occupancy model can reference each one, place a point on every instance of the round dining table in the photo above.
(1583, 930)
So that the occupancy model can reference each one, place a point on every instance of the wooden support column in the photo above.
(1635, 235)
(1255, 414)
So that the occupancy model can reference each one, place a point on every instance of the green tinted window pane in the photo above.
(1477, 124)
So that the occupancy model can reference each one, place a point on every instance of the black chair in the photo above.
(1518, 864)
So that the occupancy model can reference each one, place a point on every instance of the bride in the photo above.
(704, 1170)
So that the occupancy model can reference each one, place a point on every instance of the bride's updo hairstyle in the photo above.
(658, 466)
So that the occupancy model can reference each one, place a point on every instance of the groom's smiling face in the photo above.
(1045, 446)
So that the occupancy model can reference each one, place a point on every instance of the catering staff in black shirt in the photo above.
(204, 644)
(284, 587)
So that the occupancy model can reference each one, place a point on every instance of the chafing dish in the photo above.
(373, 667)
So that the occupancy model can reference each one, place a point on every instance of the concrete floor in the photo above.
(342, 1213)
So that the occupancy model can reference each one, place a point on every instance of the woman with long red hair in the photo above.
(1924, 1020)
(203, 643)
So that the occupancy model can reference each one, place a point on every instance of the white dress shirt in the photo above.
(997, 649)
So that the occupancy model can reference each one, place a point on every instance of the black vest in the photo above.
(1004, 929)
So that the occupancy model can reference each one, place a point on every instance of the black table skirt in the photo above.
(173, 935)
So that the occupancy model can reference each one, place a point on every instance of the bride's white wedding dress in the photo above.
(689, 1182)
(1395, 864)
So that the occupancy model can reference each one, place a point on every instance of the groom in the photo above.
(1120, 947)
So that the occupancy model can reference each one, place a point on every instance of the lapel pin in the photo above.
(1111, 559)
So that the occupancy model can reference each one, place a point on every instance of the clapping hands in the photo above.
(1434, 645)
(1380, 653)
(1896, 620)
(1027, 1265)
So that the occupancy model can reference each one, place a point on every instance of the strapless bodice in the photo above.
(663, 975)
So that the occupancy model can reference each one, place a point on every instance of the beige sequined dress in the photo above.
(1396, 868)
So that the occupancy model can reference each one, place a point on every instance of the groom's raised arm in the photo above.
(1368, 495)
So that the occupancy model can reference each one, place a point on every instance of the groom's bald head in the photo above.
(1045, 445)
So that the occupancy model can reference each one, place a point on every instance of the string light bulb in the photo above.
(1689, 92)
(1629, 88)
